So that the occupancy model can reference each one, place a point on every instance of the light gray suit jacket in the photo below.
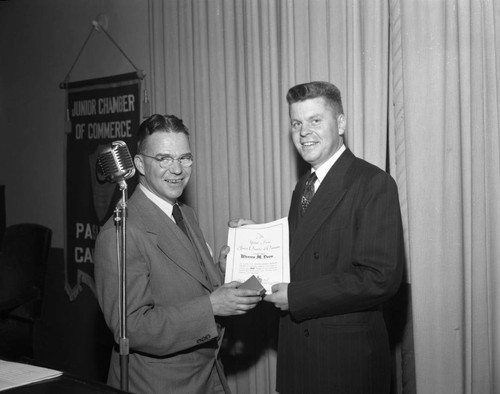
(174, 337)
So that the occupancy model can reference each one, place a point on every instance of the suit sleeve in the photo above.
(363, 265)
(156, 325)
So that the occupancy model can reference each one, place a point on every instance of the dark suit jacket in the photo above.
(174, 338)
(346, 257)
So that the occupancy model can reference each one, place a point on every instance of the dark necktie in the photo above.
(176, 213)
(308, 192)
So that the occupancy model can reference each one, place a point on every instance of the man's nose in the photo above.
(175, 167)
(304, 130)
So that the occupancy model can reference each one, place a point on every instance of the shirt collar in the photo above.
(162, 204)
(325, 167)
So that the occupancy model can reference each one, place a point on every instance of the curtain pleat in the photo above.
(401, 320)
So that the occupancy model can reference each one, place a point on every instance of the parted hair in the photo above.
(311, 90)
(166, 123)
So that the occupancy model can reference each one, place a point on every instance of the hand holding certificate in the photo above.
(260, 250)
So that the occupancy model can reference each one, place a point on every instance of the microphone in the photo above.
(115, 163)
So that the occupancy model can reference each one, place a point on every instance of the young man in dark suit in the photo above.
(346, 258)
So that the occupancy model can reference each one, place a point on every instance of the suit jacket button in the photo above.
(306, 332)
(316, 255)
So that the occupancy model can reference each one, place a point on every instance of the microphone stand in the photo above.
(121, 228)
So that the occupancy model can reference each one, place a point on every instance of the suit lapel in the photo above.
(326, 199)
(213, 273)
(181, 252)
(170, 239)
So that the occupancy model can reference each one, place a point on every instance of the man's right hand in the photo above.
(228, 300)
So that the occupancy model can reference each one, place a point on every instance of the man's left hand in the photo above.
(224, 251)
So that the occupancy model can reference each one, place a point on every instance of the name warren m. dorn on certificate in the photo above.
(261, 250)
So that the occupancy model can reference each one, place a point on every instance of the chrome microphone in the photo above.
(115, 162)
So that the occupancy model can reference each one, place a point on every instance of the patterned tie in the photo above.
(308, 192)
(176, 213)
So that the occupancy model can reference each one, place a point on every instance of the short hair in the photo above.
(155, 123)
(311, 90)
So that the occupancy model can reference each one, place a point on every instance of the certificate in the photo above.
(260, 250)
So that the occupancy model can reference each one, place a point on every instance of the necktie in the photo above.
(176, 213)
(308, 192)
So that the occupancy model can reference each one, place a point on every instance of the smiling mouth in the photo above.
(174, 181)
(308, 144)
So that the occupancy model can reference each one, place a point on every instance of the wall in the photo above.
(39, 42)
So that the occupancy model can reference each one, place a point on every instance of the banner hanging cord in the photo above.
(66, 79)
(96, 26)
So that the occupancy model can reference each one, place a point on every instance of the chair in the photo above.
(23, 259)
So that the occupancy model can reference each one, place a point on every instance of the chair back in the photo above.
(23, 260)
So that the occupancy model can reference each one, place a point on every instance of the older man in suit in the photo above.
(175, 292)
(346, 258)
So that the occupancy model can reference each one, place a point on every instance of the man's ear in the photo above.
(139, 164)
(341, 122)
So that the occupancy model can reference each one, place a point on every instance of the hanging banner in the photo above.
(99, 111)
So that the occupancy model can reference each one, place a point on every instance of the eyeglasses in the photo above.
(167, 161)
